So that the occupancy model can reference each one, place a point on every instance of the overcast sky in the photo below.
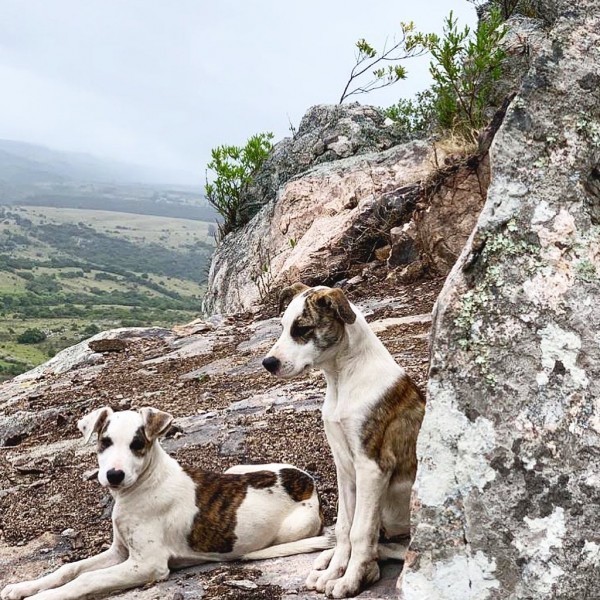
(161, 82)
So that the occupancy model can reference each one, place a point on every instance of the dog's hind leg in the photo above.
(395, 508)
(391, 551)
(66, 573)
(303, 521)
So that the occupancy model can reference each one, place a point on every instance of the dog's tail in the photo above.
(391, 551)
(312, 544)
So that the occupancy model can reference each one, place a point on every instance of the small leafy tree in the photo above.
(371, 62)
(234, 167)
(90, 330)
(31, 336)
(465, 67)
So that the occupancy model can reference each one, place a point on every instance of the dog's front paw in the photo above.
(335, 562)
(16, 591)
(321, 563)
(326, 577)
(317, 579)
(352, 582)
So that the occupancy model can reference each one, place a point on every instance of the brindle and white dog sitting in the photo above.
(166, 516)
(372, 415)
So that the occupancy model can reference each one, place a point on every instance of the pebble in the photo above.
(355, 280)
(70, 533)
(242, 584)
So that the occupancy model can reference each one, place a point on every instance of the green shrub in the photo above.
(234, 167)
(368, 74)
(90, 330)
(464, 68)
(43, 284)
(31, 336)
(465, 65)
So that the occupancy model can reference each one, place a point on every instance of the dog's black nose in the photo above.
(115, 477)
(271, 364)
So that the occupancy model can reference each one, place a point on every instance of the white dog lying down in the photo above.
(166, 516)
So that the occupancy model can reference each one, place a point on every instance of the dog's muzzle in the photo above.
(271, 364)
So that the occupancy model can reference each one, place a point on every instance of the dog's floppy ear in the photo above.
(335, 300)
(93, 422)
(156, 422)
(289, 293)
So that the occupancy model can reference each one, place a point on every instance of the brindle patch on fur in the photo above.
(319, 321)
(100, 427)
(390, 432)
(140, 443)
(218, 498)
(102, 423)
(297, 484)
(289, 293)
(261, 479)
(333, 301)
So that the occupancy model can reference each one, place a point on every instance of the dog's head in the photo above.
(125, 442)
(314, 325)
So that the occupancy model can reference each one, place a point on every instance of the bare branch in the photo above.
(409, 46)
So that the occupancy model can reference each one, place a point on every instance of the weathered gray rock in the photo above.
(508, 488)
(523, 40)
(319, 222)
(82, 354)
(327, 132)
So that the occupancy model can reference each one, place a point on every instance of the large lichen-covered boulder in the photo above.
(508, 488)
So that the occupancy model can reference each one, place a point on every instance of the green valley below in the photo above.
(67, 273)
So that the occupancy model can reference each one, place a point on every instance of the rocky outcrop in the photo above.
(331, 216)
(327, 132)
(508, 491)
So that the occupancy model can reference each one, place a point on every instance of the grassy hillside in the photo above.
(68, 273)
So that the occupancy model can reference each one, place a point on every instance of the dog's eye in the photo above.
(301, 330)
(137, 445)
(104, 443)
